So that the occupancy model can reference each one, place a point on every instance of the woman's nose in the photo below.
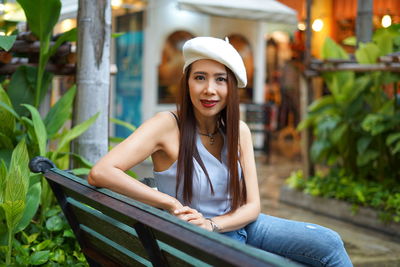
(210, 88)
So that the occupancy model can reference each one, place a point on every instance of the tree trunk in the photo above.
(93, 77)
(364, 21)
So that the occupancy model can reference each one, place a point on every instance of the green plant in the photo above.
(23, 194)
(52, 243)
(382, 196)
(28, 85)
(356, 127)
(356, 130)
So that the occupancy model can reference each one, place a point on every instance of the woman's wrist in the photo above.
(213, 226)
(171, 204)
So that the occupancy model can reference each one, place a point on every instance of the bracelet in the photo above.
(214, 226)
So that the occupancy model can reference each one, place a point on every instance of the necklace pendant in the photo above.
(212, 140)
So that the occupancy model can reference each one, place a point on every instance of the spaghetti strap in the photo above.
(176, 117)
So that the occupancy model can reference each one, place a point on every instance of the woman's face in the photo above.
(208, 87)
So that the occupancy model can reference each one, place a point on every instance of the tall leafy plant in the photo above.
(356, 126)
(13, 194)
(42, 16)
(28, 84)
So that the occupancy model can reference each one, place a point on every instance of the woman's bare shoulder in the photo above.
(243, 128)
(162, 120)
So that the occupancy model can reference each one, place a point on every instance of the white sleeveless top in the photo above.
(203, 200)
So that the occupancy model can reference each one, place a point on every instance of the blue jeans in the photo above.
(305, 243)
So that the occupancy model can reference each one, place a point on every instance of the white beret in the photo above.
(218, 50)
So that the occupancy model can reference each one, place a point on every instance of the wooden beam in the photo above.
(67, 69)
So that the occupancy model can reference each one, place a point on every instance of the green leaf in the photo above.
(396, 149)
(5, 155)
(392, 138)
(7, 118)
(32, 238)
(115, 139)
(68, 233)
(318, 149)
(54, 224)
(338, 132)
(16, 186)
(127, 125)
(40, 257)
(6, 142)
(321, 103)
(359, 194)
(331, 49)
(22, 87)
(81, 171)
(374, 123)
(40, 129)
(44, 244)
(80, 160)
(384, 39)
(6, 42)
(3, 175)
(351, 41)
(362, 144)
(32, 204)
(69, 36)
(75, 132)
(60, 112)
(117, 34)
(367, 157)
(367, 53)
(20, 161)
(9, 109)
(41, 15)
(58, 256)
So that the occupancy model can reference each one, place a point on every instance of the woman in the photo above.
(204, 163)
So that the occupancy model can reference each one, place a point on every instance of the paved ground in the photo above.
(366, 248)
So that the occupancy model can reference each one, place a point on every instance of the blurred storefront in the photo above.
(149, 62)
(148, 54)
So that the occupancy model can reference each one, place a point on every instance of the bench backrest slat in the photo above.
(110, 228)
(113, 250)
(113, 229)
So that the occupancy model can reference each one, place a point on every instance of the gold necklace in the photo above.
(210, 135)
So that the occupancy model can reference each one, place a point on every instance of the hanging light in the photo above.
(67, 25)
(386, 21)
(116, 3)
(317, 25)
(2, 8)
(301, 26)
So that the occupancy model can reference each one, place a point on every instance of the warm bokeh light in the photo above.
(67, 25)
(301, 26)
(2, 33)
(317, 25)
(116, 3)
(386, 21)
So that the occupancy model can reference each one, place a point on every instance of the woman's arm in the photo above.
(249, 211)
(109, 171)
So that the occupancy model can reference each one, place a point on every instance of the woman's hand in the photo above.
(193, 216)
(174, 205)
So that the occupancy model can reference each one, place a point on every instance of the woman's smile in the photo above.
(208, 103)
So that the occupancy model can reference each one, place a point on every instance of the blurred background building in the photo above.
(269, 35)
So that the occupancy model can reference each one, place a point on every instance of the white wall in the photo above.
(161, 19)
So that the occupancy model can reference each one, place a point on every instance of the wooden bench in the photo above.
(114, 230)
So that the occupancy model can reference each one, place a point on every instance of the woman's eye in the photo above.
(221, 79)
(199, 77)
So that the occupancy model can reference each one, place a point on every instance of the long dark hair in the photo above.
(228, 121)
